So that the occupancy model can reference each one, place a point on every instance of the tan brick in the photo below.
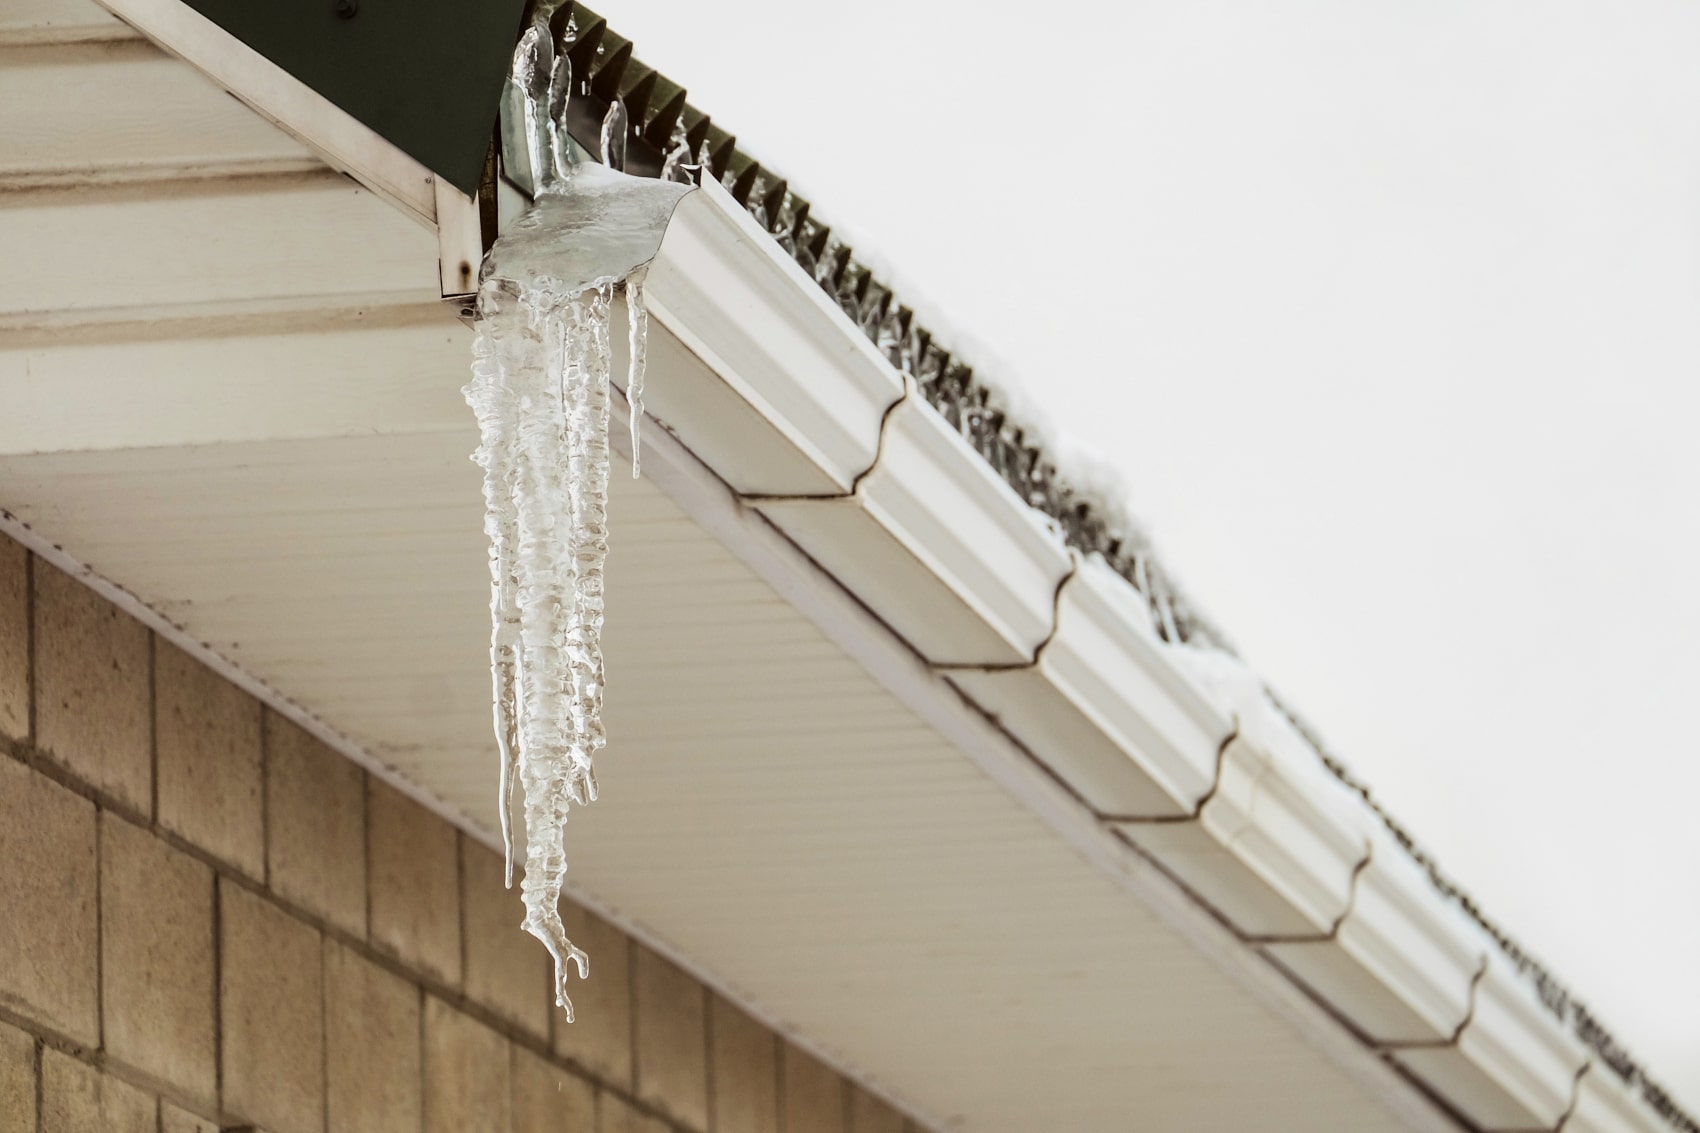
(507, 969)
(17, 1080)
(316, 823)
(49, 932)
(813, 1097)
(614, 1115)
(14, 641)
(415, 882)
(600, 1036)
(548, 1099)
(746, 1071)
(174, 1120)
(91, 687)
(77, 1098)
(270, 1010)
(467, 1086)
(156, 927)
(871, 1114)
(372, 1059)
(672, 1049)
(207, 737)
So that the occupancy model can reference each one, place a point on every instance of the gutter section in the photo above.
(1099, 690)
(1061, 653)
(1401, 966)
(747, 310)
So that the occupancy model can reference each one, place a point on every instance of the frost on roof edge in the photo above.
(1090, 522)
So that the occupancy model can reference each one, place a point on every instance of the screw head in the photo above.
(346, 9)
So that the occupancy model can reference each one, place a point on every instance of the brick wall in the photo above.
(209, 920)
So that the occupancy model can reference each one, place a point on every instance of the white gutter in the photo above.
(1060, 656)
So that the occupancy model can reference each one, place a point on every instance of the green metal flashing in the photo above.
(425, 75)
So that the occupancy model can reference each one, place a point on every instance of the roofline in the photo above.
(1267, 846)
(1061, 658)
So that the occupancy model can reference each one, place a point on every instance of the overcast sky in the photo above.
(1389, 313)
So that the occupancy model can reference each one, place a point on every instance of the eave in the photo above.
(783, 433)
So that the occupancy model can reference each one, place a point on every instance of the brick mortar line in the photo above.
(49, 767)
(99, 931)
(153, 725)
(325, 1039)
(780, 1124)
(710, 1112)
(35, 1066)
(218, 988)
(424, 1054)
(29, 646)
(47, 1038)
(631, 1005)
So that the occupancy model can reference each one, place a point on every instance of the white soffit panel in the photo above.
(143, 248)
(343, 142)
(76, 134)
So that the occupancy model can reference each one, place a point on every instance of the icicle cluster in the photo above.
(540, 391)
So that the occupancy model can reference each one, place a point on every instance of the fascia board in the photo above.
(1605, 1105)
(937, 546)
(1402, 963)
(1514, 1066)
(799, 393)
(344, 142)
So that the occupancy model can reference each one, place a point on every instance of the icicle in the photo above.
(637, 333)
(677, 165)
(540, 393)
(492, 403)
(560, 88)
(614, 136)
(542, 358)
(533, 64)
(542, 362)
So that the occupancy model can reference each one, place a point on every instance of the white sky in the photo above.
(1389, 311)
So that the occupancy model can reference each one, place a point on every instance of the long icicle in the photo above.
(637, 335)
(494, 406)
(540, 391)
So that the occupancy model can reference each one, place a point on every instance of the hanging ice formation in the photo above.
(540, 378)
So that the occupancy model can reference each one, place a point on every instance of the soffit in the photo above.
(225, 382)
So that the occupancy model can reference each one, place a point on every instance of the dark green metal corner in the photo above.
(425, 75)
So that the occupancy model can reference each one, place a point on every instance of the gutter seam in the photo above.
(1334, 927)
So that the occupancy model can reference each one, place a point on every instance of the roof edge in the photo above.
(1333, 808)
